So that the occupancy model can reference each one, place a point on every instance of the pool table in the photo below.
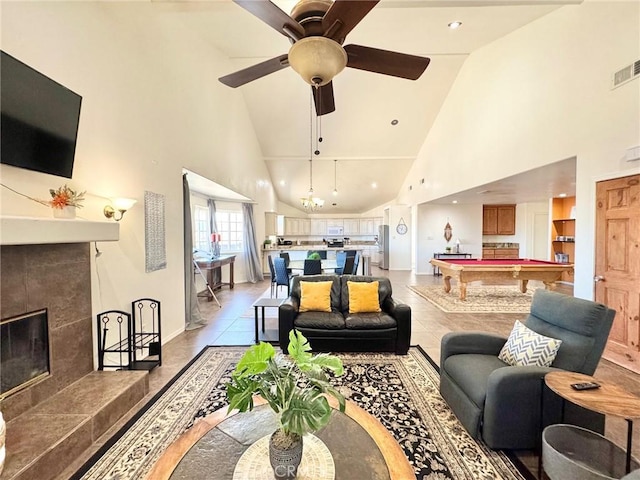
(522, 269)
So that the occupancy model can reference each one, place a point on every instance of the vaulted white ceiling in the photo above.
(359, 134)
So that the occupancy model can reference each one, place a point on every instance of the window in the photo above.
(229, 225)
(201, 233)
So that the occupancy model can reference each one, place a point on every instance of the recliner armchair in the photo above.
(501, 404)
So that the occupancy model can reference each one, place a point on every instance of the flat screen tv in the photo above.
(39, 120)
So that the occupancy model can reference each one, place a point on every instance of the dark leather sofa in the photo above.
(340, 331)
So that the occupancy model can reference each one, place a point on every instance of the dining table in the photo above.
(328, 265)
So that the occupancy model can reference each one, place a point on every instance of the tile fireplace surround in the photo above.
(57, 276)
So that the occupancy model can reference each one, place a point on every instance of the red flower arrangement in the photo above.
(65, 197)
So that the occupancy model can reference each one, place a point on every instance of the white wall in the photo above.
(399, 245)
(151, 106)
(536, 96)
(466, 224)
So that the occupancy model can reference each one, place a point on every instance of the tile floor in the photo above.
(233, 324)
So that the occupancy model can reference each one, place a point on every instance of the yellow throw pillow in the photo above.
(363, 297)
(315, 296)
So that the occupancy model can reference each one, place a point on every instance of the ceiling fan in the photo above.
(317, 30)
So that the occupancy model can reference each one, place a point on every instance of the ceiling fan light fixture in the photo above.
(317, 59)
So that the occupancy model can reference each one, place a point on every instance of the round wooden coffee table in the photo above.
(609, 399)
(360, 445)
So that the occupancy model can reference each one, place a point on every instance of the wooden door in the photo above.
(617, 272)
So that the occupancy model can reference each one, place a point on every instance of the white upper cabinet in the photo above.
(351, 226)
(318, 226)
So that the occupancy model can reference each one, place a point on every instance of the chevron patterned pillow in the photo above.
(525, 347)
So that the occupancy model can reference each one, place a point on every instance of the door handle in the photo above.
(598, 278)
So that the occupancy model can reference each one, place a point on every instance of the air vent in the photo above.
(626, 74)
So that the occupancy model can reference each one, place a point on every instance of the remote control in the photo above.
(585, 386)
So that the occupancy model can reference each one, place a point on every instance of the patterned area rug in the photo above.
(400, 391)
(485, 299)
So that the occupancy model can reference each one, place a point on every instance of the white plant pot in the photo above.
(66, 212)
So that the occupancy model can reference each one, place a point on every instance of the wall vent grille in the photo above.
(626, 74)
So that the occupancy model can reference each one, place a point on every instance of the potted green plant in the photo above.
(294, 388)
(267, 243)
(314, 256)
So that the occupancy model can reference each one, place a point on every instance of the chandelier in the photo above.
(311, 203)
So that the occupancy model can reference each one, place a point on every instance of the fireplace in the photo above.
(24, 351)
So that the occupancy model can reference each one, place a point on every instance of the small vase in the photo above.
(285, 463)
(66, 212)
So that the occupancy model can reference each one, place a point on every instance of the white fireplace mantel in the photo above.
(41, 230)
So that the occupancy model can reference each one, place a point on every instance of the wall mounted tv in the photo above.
(39, 120)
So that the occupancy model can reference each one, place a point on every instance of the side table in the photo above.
(609, 399)
(263, 303)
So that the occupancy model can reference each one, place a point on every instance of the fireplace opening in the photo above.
(24, 351)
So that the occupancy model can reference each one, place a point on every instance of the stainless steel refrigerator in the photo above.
(383, 246)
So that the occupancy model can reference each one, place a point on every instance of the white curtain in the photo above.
(254, 264)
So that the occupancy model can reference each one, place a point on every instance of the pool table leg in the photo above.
(523, 285)
(463, 290)
(447, 283)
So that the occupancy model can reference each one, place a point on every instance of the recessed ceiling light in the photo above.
(374, 185)
(394, 122)
(455, 24)
(283, 183)
(455, 201)
(562, 195)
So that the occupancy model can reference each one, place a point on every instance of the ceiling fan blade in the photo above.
(344, 15)
(386, 62)
(254, 72)
(270, 14)
(323, 99)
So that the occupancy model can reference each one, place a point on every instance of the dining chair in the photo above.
(348, 266)
(312, 267)
(341, 257)
(356, 263)
(282, 277)
(273, 274)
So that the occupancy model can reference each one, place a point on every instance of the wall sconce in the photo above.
(118, 204)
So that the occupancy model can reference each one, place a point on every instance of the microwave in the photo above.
(335, 231)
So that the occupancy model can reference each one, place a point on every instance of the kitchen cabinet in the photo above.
(493, 253)
(351, 226)
(498, 219)
(270, 223)
(291, 226)
(305, 226)
(318, 226)
(368, 226)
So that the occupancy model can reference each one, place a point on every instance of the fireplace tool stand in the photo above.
(206, 281)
